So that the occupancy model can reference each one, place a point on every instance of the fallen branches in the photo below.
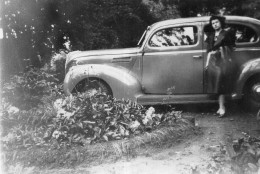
(246, 156)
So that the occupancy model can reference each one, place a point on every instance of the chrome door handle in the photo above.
(197, 57)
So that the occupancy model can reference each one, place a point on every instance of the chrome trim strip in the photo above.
(176, 52)
(198, 51)
(243, 49)
(248, 49)
(122, 59)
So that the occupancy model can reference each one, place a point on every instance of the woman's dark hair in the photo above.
(221, 19)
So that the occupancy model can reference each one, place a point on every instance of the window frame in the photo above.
(174, 47)
(245, 24)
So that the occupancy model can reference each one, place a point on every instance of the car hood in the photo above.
(83, 54)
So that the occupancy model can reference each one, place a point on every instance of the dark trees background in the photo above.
(34, 29)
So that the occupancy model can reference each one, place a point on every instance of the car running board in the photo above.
(176, 99)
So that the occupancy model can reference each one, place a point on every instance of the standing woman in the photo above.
(220, 45)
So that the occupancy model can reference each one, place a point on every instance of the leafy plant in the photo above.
(26, 90)
(24, 129)
(57, 64)
(246, 157)
(94, 117)
(79, 120)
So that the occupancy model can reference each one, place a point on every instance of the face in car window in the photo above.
(242, 33)
(174, 36)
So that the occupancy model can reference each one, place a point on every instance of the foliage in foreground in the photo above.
(246, 158)
(64, 156)
(81, 119)
(27, 89)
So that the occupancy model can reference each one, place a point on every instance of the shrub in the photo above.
(79, 120)
(57, 64)
(26, 90)
(92, 117)
(24, 129)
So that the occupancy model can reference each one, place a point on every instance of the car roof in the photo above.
(203, 19)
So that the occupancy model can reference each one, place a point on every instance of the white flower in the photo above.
(67, 115)
(56, 134)
(145, 121)
(13, 110)
(148, 116)
(150, 112)
(61, 113)
(58, 104)
(134, 125)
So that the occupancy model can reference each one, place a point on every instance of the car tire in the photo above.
(95, 84)
(251, 99)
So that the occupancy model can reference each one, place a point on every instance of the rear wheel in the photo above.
(89, 85)
(251, 98)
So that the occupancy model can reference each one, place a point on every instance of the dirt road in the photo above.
(205, 153)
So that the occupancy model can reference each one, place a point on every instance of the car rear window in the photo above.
(242, 33)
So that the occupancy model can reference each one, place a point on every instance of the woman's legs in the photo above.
(221, 101)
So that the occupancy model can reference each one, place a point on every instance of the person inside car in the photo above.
(240, 36)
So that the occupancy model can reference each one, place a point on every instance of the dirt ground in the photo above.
(205, 153)
(202, 154)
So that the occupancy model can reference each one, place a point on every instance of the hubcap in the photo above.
(256, 91)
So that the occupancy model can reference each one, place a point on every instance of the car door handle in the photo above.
(197, 57)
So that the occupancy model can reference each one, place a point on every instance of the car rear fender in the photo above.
(121, 82)
(247, 71)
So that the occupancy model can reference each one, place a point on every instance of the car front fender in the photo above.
(247, 70)
(121, 82)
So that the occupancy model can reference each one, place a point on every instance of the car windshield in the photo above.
(140, 43)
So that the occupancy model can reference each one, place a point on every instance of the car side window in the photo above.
(244, 34)
(174, 36)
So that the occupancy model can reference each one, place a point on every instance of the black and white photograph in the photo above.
(130, 87)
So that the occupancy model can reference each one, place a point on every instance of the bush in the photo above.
(27, 104)
(26, 90)
(57, 64)
(79, 120)
(24, 129)
(94, 117)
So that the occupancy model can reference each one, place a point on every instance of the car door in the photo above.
(173, 62)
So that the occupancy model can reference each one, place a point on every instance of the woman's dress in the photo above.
(220, 68)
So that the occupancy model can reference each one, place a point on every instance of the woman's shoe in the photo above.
(221, 113)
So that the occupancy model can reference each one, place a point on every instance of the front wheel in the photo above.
(251, 100)
(89, 85)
